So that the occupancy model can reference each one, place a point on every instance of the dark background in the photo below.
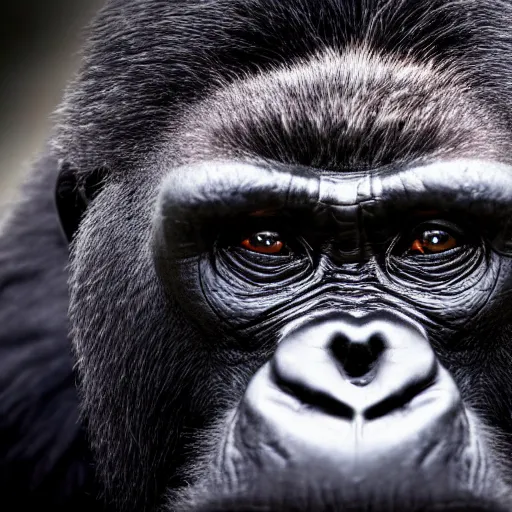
(39, 45)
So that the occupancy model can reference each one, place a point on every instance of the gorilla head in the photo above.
(291, 247)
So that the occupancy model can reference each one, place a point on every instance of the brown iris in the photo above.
(264, 242)
(433, 241)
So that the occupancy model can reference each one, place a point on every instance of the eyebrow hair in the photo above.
(222, 188)
(197, 198)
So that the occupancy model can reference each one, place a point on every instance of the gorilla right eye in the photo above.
(264, 242)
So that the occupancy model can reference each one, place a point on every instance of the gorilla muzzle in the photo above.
(349, 408)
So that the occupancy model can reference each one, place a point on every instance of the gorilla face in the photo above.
(289, 278)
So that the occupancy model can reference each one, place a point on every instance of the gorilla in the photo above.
(265, 263)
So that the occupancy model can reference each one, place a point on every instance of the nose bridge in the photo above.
(346, 202)
(364, 363)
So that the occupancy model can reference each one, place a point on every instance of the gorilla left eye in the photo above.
(264, 242)
(433, 241)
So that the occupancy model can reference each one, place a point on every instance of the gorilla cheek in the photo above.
(128, 340)
(225, 291)
(447, 290)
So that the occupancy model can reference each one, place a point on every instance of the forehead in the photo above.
(345, 110)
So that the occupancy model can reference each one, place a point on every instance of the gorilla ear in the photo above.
(72, 196)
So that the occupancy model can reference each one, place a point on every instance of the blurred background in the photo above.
(39, 45)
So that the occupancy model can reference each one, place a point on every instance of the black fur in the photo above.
(44, 457)
(146, 66)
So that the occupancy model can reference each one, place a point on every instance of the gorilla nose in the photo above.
(351, 366)
(358, 355)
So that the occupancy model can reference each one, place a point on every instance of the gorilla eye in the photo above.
(433, 241)
(264, 242)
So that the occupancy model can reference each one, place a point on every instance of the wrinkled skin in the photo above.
(291, 253)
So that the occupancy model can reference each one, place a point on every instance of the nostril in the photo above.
(358, 358)
(377, 346)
